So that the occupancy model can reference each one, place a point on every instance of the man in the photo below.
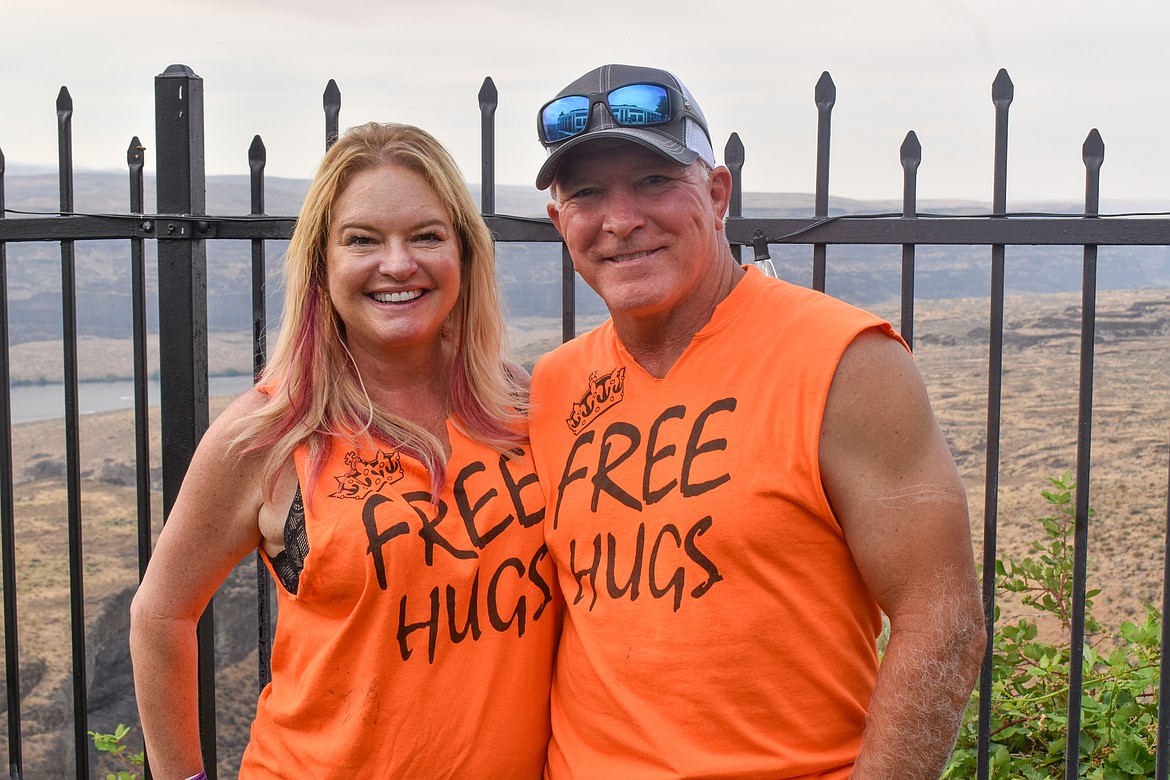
(742, 475)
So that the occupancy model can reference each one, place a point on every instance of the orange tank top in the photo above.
(715, 625)
(420, 640)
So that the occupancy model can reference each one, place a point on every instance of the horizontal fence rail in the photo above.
(180, 232)
(1004, 229)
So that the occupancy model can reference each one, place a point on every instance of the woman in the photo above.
(379, 467)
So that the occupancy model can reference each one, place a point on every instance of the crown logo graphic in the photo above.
(603, 393)
(368, 476)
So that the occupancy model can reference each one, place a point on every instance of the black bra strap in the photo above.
(291, 560)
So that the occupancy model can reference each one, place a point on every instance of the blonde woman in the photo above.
(381, 467)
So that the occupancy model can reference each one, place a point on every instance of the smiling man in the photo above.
(742, 477)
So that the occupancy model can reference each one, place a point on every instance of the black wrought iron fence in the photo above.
(181, 230)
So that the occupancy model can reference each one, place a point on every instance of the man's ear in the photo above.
(719, 188)
(554, 214)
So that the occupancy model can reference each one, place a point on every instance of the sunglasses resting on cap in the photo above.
(644, 105)
(634, 105)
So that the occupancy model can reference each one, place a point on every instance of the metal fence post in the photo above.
(911, 156)
(1002, 93)
(825, 96)
(733, 158)
(1093, 153)
(489, 99)
(8, 528)
(72, 438)
(182, 304)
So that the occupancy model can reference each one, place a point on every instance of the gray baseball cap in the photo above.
(680, 134)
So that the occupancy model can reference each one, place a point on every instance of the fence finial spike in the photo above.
(911, 151)
(64, 101)
(733, 153)
(488, 94)
(134, 152)
(332, 95)
(1002, 89)
(331, 103)
(257, 152)
(1093, 151)
(825, 93)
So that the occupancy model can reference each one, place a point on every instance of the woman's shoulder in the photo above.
(246, 403)
(231, 426)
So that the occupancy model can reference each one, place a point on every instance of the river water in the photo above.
(46, 402)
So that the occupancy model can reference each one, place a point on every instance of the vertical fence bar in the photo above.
(331, 101)
(8, 525)
(72, 439)
(1162, 770)
(135, 160)
(257, 158)
(568, 296)
(182, 285)
(825, 95)
(733, 157)
(1002, 92)
(911, 156)
(489, 98)
(1093, 154)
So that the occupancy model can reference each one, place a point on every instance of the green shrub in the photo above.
(112, 745)
(1030, 676)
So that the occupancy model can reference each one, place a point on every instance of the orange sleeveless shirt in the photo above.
(716, 625)
(421, 637)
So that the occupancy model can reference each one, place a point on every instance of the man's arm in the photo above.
(897, 494)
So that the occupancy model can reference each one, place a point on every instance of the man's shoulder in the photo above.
(779, 307)
(804, 299)
(800, 326)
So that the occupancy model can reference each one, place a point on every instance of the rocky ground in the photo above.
(1130, 457)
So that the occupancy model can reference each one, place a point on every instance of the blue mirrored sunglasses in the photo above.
(632, 105)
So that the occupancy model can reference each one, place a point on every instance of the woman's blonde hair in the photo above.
(314, 389)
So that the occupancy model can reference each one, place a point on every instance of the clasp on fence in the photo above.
(171, 227)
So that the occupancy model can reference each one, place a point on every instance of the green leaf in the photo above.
(1133, 757)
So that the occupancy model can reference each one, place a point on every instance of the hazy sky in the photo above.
(922, 65)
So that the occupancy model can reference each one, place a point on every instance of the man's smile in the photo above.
(632, 256)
